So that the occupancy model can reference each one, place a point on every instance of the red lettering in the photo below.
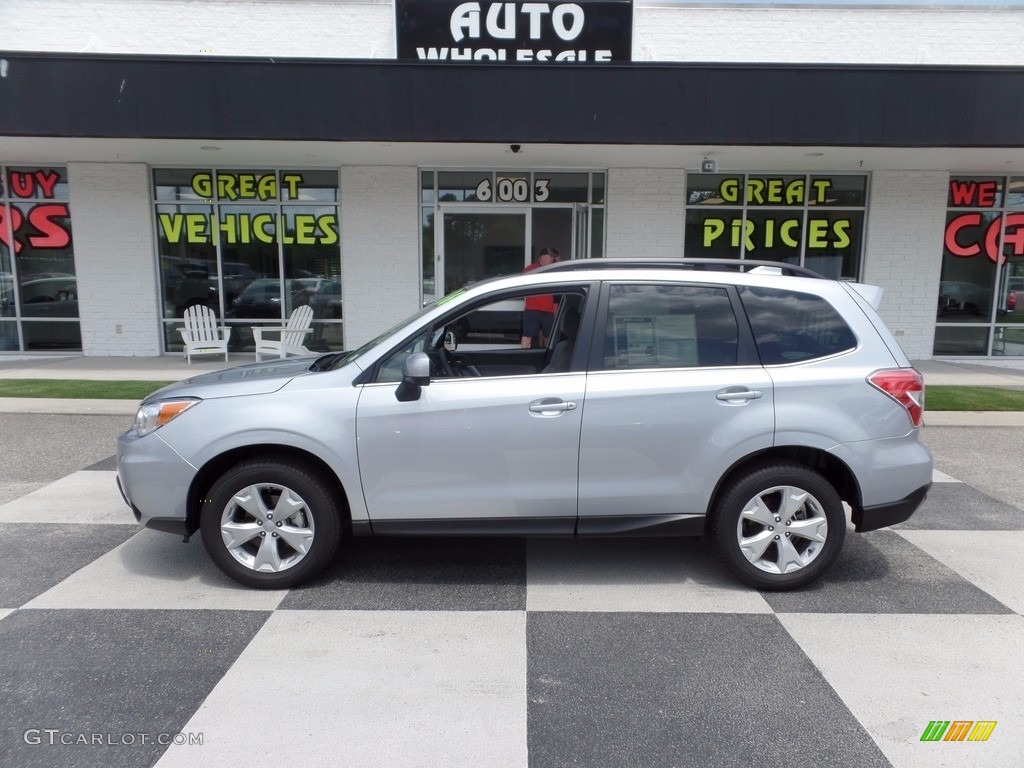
(53, 234)
(953, 230)
(22, 184)
(15, 218)
(47, 181)
(987, 194)
(1012, 228)
(1014, 233)
(969, 193)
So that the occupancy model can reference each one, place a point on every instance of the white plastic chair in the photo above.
(201, 334)
(292, 335)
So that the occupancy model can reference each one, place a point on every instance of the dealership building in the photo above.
(368, 156)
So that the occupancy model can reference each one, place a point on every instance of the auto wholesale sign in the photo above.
(585, 31)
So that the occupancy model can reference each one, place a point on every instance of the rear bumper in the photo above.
(882, 515)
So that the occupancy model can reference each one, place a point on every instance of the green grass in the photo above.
(951, 398)
(938, 398)
(78, 388)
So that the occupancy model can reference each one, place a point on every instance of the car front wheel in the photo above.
(270, 523)
(779, 526)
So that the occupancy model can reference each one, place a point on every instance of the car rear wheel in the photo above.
(779, 526)
(270, 523)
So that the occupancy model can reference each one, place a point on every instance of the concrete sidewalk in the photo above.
(1007, 374)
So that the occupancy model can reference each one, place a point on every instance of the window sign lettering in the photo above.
(233, 227)
(973, 233)
(981, 285)
(584, 31)
(817, 221)
(38, 225)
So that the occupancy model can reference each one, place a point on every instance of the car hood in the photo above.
(250, 379)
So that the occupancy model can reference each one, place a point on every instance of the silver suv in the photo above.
(742, 401)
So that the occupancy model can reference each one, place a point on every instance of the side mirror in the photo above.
(415, 376)
(451, 341)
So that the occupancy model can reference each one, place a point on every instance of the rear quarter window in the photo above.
(790, 327)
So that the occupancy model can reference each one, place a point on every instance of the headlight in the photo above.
(154, 415)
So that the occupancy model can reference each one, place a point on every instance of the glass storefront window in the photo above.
(253, 226)
(982, 279)
(778, 217)
(511, 214)
(38, 283)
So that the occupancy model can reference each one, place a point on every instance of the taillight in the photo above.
(905, 386)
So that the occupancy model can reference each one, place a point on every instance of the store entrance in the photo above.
(476, 243)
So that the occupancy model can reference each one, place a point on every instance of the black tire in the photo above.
(267, 553)
(788, 545)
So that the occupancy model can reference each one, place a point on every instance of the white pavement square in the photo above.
(152, 570)
(89, 497)
(366, 689)
(897, 673)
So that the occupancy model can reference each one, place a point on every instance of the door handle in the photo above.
(552, 407)
(738, 395)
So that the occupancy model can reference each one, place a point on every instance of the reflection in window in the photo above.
(791, 327)
(982, 279)
(248, 229)
(38, 283)
(665, 326)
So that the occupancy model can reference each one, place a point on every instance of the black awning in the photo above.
(95, 96)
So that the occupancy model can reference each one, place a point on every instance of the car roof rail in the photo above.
(715, 265)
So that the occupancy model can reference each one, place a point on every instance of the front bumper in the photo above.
(882, 515)
(154, 481)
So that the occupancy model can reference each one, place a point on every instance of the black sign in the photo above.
(585, 31)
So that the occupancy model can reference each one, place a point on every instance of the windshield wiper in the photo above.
(324, 362)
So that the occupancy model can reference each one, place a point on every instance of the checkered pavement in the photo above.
(486, 652)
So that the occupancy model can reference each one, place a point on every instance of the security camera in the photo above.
(516, 148)
(709, 166)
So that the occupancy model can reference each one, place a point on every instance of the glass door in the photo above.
(475, 244)
(581, 234)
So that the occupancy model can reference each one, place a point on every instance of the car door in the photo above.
(675, 396)
(472, 453)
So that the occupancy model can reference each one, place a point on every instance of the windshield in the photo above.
(348, 357)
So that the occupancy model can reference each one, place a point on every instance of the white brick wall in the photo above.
(365, 29)
(916, 35)
(904, 245)
(380, 249)
(313, 28)
(645, 213)
(112, 227)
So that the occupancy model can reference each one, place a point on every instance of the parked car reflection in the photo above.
(261, 299)
(957, 297)
(49, 298)
(191, 282)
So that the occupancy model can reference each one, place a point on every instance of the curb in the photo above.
(973, 418)
(52, 405)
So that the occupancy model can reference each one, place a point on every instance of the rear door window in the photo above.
(669, 326)
(790, 327)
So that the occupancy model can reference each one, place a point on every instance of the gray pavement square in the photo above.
(102, 688)
(881, 572)
(421, 574)
(37, 556)
(959, 507)
(644, 690)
